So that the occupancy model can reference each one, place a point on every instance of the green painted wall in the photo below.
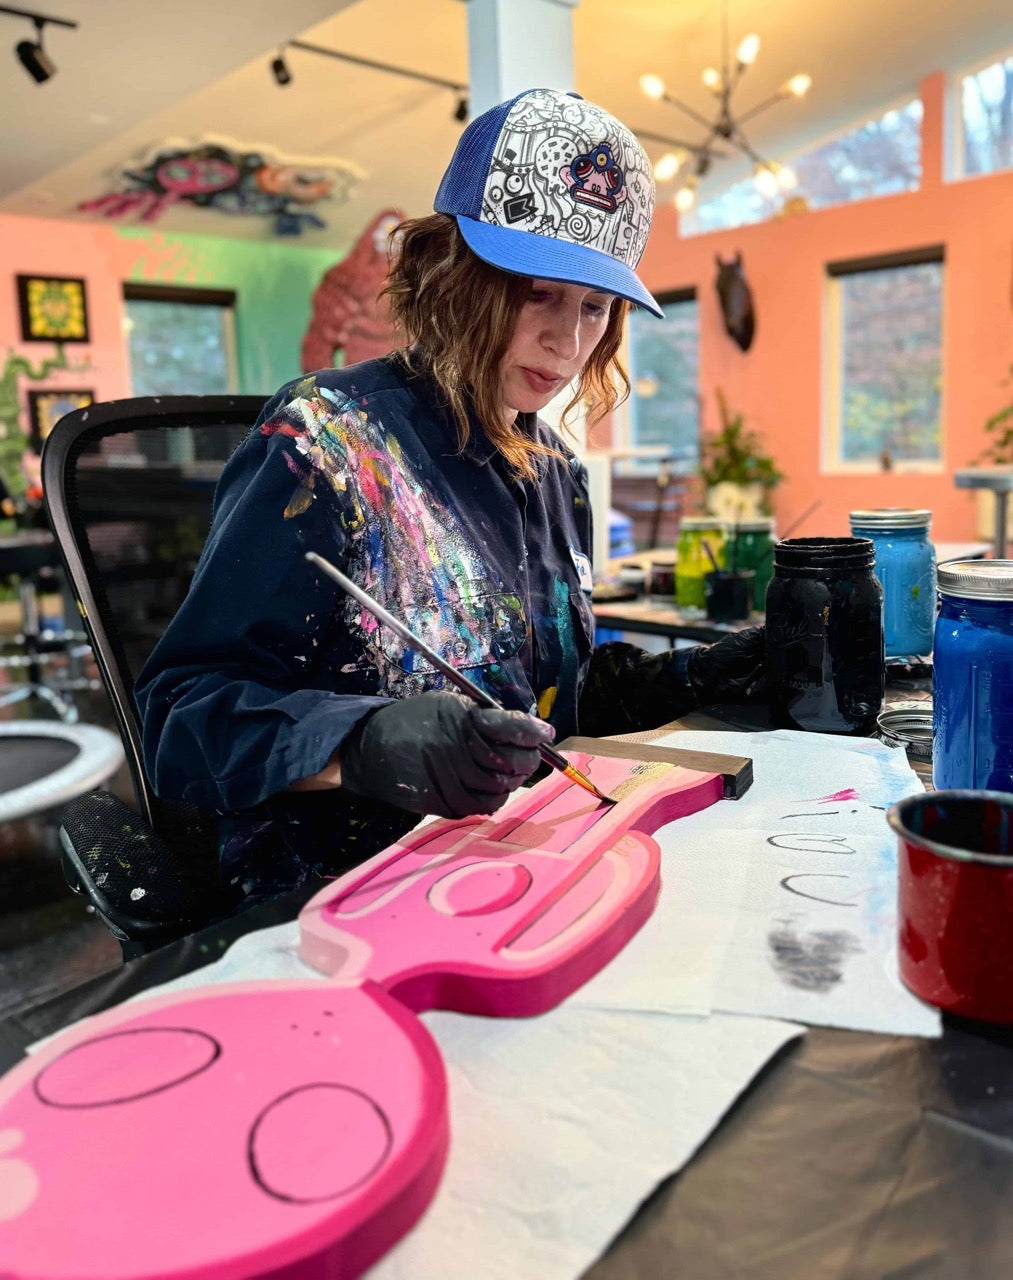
(274, 285)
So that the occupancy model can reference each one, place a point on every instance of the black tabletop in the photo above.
(853, 1156)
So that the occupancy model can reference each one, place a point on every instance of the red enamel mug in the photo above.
(955, 900)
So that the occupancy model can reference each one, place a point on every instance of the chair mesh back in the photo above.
(130, 531)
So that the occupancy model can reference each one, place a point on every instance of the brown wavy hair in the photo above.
(461, 314)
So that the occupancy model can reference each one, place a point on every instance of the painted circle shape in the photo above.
(124, 1066)
(479, 889)
(318, 1142)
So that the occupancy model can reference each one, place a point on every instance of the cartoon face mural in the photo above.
(736, 301)
(228, 178)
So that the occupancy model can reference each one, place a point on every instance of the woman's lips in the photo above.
(539, 381)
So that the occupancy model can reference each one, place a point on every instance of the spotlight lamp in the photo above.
(30, 53)
(279, 69)
(769, 176)
(283, 76)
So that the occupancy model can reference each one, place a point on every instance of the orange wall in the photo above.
(777, 383)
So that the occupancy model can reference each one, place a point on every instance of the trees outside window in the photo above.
(884, 334)
(987, 116)
(664, 405)
(879, 158)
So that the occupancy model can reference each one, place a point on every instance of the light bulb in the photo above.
(787, 179)
(685, 199)
(667, 166)
(766, 182)
(749, 47)
(798, 86)
(711, 77)
(653, 86)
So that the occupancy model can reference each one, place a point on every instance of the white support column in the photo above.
(515, 45)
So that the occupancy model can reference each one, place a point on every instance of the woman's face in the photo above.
(558, 328)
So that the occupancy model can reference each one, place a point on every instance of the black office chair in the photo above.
(128, 487)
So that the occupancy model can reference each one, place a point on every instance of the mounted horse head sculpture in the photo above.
(736, 300)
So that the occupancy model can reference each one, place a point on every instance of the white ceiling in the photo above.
(133, 75)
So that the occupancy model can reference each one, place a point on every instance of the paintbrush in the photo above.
(549, 754)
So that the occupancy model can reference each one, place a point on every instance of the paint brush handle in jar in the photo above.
(549, 754)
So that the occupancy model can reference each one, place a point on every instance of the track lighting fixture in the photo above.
(283, 76)
(30, 53)
(279, 69)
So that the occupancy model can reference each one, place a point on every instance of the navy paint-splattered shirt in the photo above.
(268, 665)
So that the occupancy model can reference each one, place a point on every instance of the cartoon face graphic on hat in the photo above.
(551, 186)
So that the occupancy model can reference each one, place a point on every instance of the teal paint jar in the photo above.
(751, 546)
(906, 568)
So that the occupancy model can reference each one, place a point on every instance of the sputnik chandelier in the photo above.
(692, 160)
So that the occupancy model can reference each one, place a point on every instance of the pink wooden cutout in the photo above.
(539, 920)
(296, 1130)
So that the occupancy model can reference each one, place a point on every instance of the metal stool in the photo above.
(1000, 481)
(24, 555)
(44, 764)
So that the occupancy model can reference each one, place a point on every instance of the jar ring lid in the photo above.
(908, 725)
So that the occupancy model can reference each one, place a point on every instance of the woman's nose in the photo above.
(562, 332)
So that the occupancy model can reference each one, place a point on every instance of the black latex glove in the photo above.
(441, 753)
(730, 670)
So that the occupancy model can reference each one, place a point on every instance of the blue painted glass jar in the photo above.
(825, 636)
(906, 569)
(972, 681)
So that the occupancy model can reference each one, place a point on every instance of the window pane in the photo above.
(987, 102)
(664, 362)
(880, 158)
(891, 362)
(181, 348)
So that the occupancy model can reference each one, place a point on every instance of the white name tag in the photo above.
(583, 566)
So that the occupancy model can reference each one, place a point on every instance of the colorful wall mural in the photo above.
(228, 177)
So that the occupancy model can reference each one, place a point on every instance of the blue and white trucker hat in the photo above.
(550, 186)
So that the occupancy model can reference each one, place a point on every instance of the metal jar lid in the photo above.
(908, 725)
(693, 523)
(752, 526)
(892, 518)
(976, 579)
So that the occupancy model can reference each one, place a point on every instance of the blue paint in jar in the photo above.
(972, 693)
(906, 569)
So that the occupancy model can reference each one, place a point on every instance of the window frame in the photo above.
(832, 379)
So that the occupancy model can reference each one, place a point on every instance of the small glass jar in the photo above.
(972, 677)
(906, 569)
(825, 635)
(751, 546)
(692, 562)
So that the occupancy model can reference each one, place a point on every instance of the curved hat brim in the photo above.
(544, 258)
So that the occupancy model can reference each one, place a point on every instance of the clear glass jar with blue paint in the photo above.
(972, 680)
(906, 569)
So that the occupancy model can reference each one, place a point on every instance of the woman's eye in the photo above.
(596, 309)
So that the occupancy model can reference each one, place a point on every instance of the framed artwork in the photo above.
(53, 309)
(46, 408)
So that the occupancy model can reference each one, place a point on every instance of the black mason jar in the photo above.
(825, 635)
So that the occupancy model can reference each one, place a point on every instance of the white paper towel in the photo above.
(798, 883)
(561, 1126)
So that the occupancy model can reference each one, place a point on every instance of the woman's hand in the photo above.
(441, 753)
(730, 670)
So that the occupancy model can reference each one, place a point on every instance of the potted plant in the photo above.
(739, 475)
